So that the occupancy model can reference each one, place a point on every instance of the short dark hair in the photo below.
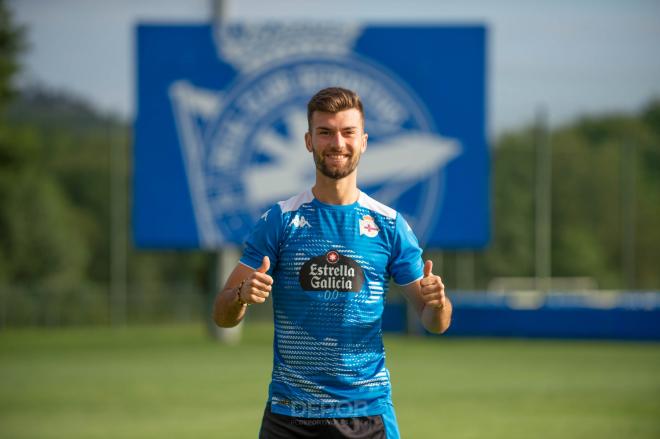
(333, 100)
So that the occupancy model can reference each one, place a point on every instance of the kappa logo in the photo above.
(368, 227)
(300, 221)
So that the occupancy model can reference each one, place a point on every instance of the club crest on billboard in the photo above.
(241, 141)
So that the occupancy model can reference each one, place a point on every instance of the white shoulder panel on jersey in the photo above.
(378, 207)
(296, 201)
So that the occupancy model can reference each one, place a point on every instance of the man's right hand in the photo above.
(257, 285)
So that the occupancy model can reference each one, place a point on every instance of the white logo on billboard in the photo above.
(243, 146)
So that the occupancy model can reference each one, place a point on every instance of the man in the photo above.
(326, 256)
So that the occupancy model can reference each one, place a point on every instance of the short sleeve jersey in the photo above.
(331, 266)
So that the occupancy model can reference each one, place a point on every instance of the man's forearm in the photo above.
(437, 320)
(255, 287)
(227, 310)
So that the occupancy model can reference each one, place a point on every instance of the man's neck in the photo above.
(338, 192)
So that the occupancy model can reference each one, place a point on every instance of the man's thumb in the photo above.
(428, 267)
(265, 265)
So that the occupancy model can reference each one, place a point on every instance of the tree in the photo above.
(11, 45)
(589, 204)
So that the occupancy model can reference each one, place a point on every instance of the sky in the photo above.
(572, 57)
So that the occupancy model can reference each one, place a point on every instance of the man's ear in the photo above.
(308, 141)
(364, 142)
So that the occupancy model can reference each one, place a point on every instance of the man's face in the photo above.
(337, 140)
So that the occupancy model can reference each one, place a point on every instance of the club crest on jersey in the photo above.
(368, 227)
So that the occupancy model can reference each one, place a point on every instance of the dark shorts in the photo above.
(276, 426)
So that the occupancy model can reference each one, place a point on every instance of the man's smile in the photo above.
(336, 158)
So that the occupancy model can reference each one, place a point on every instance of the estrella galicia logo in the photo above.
(242, 146)
(331, 271)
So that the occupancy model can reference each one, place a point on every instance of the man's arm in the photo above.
(255, 287)
(427, 295)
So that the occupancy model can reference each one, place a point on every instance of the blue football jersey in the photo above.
(331, 266)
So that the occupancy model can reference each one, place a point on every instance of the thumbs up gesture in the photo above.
(257, 286)
(433, 290)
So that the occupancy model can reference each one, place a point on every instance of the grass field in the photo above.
(174, 382)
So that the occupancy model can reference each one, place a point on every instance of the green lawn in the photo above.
(173, 382)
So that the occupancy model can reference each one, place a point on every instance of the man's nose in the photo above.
(339, 140)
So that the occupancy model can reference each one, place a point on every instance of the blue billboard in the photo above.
(221, 117)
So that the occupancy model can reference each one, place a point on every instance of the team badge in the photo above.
(368, 227)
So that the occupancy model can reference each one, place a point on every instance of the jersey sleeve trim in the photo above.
(264, 239)
(411, 282)
(405, 264)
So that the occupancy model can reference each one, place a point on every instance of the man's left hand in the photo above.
(433, 290)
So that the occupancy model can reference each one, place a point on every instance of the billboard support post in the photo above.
(543, 225)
